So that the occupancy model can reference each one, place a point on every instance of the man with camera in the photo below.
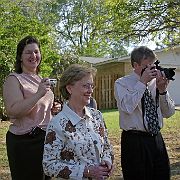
(143, 101)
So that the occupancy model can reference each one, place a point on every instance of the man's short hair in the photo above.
(141, 53)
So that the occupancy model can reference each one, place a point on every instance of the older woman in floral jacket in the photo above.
(76, 145)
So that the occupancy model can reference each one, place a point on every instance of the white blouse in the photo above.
(73, 142)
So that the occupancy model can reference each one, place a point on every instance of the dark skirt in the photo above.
(25, 154)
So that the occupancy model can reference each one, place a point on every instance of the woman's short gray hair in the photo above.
(73, 73)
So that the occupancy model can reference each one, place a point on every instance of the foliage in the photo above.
(63, 63)
(155, 19)
(82, 28)
(106, 27)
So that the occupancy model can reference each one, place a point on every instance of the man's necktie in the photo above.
(151, 113)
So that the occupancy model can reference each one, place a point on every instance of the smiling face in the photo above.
(81, 90)
(31, 58)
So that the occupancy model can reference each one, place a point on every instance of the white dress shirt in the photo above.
(128, 93)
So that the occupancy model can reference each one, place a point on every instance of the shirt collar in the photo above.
(73, 117)
(136, 75)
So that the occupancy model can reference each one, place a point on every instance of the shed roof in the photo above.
(99, 61)
(95, 60)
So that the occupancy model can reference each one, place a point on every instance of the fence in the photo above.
(104, 91)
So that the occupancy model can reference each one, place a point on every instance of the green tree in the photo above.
(82, 28)
(158, 20)
(107, 27)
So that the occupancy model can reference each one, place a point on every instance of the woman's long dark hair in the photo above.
(20, 47)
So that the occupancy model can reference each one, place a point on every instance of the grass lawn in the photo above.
(171, 134)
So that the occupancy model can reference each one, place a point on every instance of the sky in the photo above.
(150, 44)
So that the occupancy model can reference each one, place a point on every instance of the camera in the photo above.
(53, 82)
(169, 72)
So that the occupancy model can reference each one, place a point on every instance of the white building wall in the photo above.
(174, 88)
(171, 58)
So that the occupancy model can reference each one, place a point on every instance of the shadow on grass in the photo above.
(175, 169)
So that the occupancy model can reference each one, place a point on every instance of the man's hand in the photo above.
(161, 82)
(149, 73)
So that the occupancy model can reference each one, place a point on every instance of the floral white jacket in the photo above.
(72, 143)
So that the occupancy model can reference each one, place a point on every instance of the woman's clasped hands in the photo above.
(99, 172)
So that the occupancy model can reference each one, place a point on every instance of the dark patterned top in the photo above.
(73, 142)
